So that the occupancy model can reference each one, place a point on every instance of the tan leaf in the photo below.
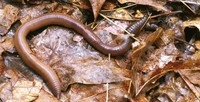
(46, 97)
(26, 90)
(7, 17)
(156, 4)
(192, 23)
(116, 92)
(6, 44)
(96, 7)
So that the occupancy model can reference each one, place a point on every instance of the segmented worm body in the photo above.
(136, 27)
(47, 73)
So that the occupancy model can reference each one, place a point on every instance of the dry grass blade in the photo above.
(107, 91)
(119, 8)
(187, 6)
(166, 13)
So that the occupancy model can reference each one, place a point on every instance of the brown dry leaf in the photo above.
(46, 97)
(197, 44)
(163, 55)
(7, 80)
(2, 66)
(136, 54)
(5, 91)
(83, 4)
(8, 16)
(190, 85)
(26, 90)
(153, 37)
(193, 75)
(120, 14)
(117, 92)
(31, 12)
(96, 7)
(149, 40)
(6, 44)
(139, 98)
(156, 4)
(192, 23)
(171, 85)
(109, 5)
(166, 38)
(15, 88)
(172, 89)
(196, 55)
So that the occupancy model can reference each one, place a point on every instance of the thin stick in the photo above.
(107, 88)
(119, 8)
(187, 6)
(166, 13)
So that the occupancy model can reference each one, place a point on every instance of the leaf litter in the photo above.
(162, 66)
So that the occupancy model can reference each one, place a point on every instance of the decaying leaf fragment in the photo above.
(136, 55)
(117, 92)
(6, 44)
(192, 23)
(150, 39)
(8, 16)
(96, 7)
(120, 14)
(14, 88)
(155, 3)
(26, 90)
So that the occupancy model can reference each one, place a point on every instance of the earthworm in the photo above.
(136, 27)
(45, 70)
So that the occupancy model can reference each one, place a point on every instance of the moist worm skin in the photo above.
(47, 73)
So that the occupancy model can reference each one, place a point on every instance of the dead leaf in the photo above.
(6, 44)
(136, 55)
(109, 5)
(2, 67)
(156, 4)
(46, 97)
(192, 23)
(15, 88)
(7, 17)
(173, 88)
(5, 91)
(96, 7)
(120, 14)
(166, 38)
(190, 85)
(116, 92)
(26, 90)
(196, 55)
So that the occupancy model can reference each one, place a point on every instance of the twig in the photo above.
(166, 13)
(107, 87)
(187, 6)
(119, 8)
